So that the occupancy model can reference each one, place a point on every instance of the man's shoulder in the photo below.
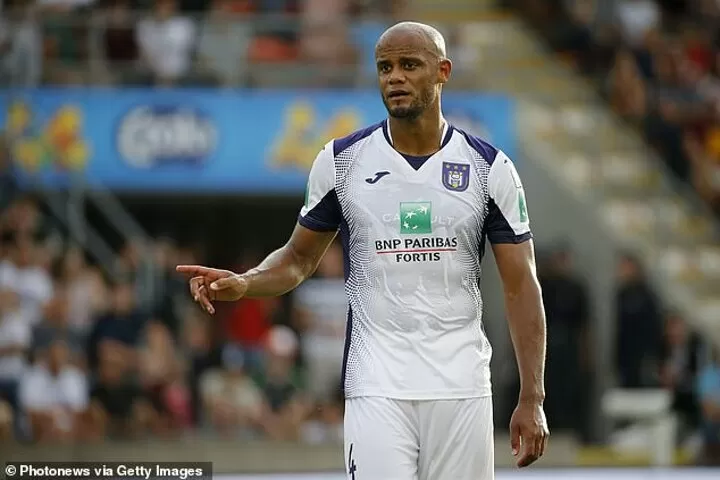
(486, 151)
(341, 144)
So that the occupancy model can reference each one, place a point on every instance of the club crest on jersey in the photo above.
(456, 176)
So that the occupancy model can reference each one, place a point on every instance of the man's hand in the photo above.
(528, 432)
(210, 284)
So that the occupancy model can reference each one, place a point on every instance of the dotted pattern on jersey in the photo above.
(357, 286)
(469, 256)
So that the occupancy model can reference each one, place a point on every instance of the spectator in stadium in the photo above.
(679, 368)
(119, 409)
(202, 356)
(324, 42)
(232, 401)
(65, 43)
(285, 404)
(160, 368)
(54, 397)
(223, 46)
(23, 217)
(589, 33)
(85, 291)
(626, 89)
(319, 314)
(15, 337)
(23, 273)
(569, 348)
(636, 19)
(135, 263)
(55, 326)
(169, 289)
(639, 327)
(21, 55)
(708, 389)
(120, 50)
(117, 332)
(166, 40)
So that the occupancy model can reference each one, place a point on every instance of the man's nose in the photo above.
(396, 76)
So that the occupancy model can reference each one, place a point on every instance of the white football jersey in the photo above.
(413, 241)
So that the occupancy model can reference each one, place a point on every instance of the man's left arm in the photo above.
(507, 227)
(526, 315)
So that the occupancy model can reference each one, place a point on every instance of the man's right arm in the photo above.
(317, 226)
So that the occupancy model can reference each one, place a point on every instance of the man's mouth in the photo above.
(398, 94)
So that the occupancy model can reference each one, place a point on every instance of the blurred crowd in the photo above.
(657, 62)
(179, 42)
(86, 355)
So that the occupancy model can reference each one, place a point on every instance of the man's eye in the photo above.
(409, 65)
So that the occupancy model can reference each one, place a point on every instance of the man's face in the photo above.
(409, 75)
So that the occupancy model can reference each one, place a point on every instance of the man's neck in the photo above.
(419, 136)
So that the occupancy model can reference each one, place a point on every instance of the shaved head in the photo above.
(412, 68)
(420, 35)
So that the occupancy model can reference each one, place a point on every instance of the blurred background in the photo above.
(139, 134)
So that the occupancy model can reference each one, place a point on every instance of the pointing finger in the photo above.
(194, 270)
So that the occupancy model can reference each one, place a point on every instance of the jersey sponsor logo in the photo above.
(416, 244)
(415, 218)
(416, 249)
(456, 176)
(377, 177)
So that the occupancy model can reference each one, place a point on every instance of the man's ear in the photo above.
(444, 70)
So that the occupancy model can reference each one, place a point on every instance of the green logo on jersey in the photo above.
(415, 218)
(522, 206)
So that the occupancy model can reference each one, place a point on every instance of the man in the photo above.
(414, 200)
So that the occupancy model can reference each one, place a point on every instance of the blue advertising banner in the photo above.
(205, 141)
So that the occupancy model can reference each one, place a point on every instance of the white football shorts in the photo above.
(388, 439)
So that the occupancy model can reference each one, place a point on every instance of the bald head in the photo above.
(413, 34)
(412, 68)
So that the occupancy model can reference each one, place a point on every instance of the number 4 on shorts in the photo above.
(352, 468)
